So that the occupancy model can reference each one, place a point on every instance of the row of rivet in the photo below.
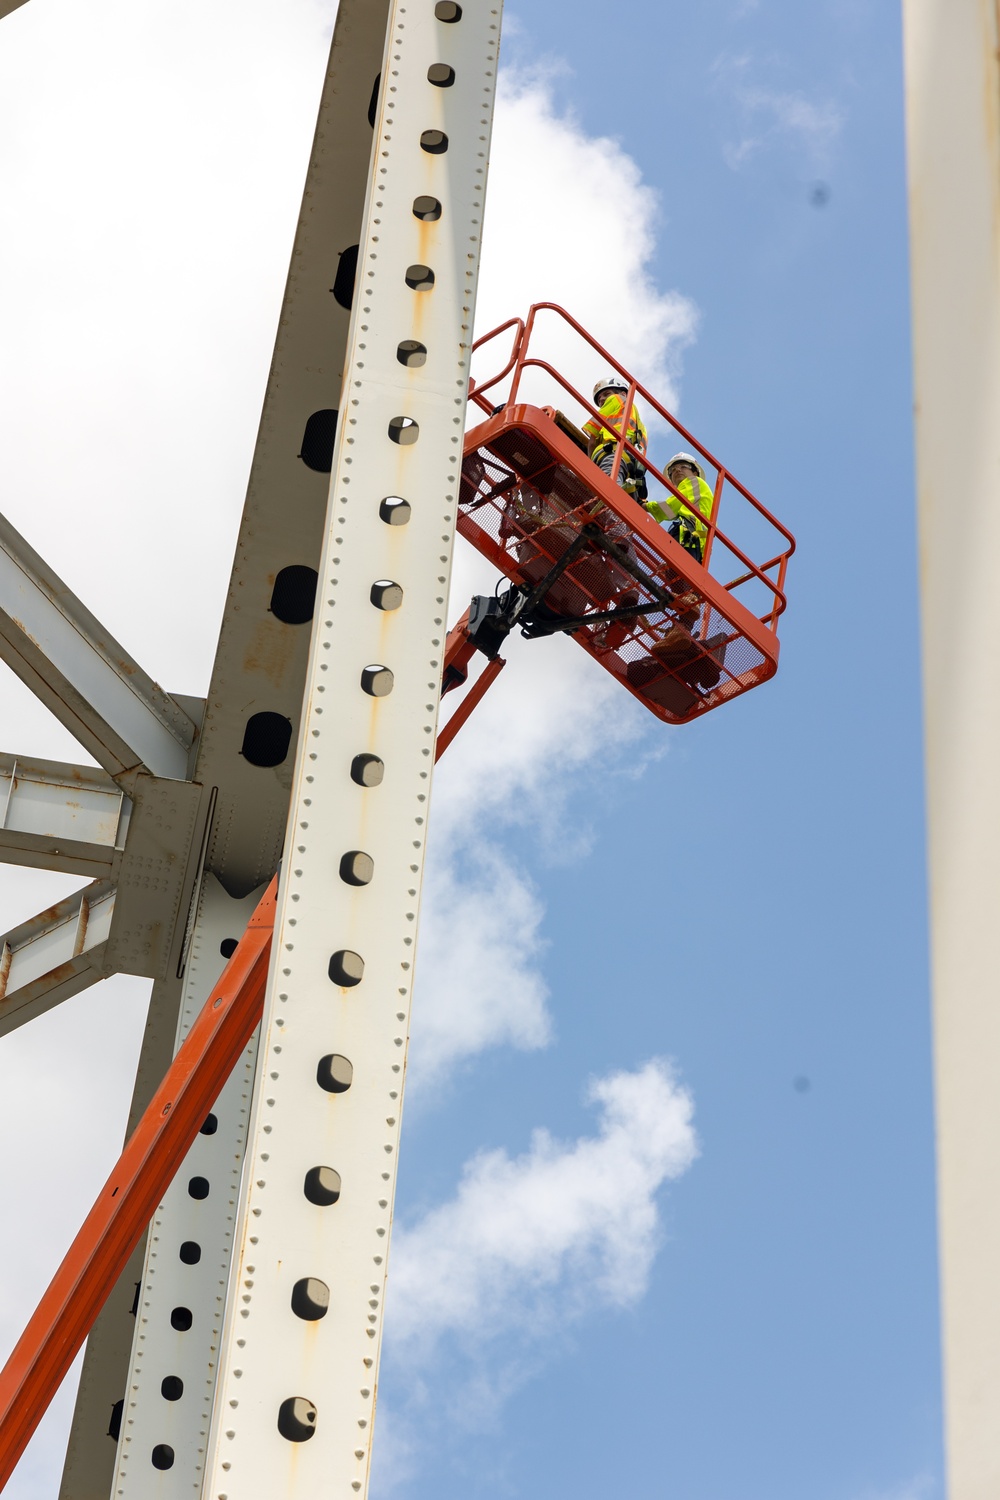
(297, 1415)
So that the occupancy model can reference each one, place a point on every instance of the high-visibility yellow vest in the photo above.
(611, 410)
(699, 495)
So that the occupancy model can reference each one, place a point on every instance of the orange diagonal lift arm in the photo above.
(459, 649)
(126, 1203)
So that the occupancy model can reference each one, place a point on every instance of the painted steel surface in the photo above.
(171, 1379)
(80, 672)
(90, 1453)
(55, 1333)
(131, 919)
(952, 53)
(260, 663)
(299, 1364)
(55, 955)
(58, 816)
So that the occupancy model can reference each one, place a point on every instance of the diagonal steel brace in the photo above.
(81, 673)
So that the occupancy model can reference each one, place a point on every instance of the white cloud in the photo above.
(551, 717)
(765, 117)
(554, 722)
(479, 985)
(551, 726)
(570, 220)
(580, 1217)
(152, 174)
(920, 1487)
(483, 1285)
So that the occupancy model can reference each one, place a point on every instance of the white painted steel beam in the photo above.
(80, 672)
(953, 128)
(299, 1360)
(90, 1453)
(171, 1384)
(56, 954)
(55, 816)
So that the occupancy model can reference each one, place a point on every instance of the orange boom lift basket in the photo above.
(585, 558)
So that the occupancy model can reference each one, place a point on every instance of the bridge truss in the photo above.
(237, 1353)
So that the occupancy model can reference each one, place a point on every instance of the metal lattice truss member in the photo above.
(347, 523)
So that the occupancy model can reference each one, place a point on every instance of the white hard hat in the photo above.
(686, 458)
(610, 383)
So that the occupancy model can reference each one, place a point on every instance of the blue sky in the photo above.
(665, 1215)
(763, 925)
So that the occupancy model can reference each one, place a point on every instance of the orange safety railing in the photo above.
(728, 492)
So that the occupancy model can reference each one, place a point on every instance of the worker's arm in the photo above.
(596, 434)
(657, 511)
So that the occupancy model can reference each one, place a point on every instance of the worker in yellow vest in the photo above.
(687, 520)
(610, 396)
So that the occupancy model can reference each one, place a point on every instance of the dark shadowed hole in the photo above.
(448, 10)
(198, 1187)
(190, 1252)
(343, 282)
(427, 208)
(404, 431)
(357, 867)
(115, 1424)
(367, 770)
(310, 1299)
(334, 1073)
(394, 511)
(346, 968)
(318, 440)
(377, 680)
(441, 75)
(373, 101)
(385, 594)
(211, 1124)
(412, 354)
(434, 141)
(297, 1419)
(322, 1186)
(419, 278)
(293, 597)
(181, 1319)
(228, 947)
(172, 1388)
(266, 739)
(163, 1456)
